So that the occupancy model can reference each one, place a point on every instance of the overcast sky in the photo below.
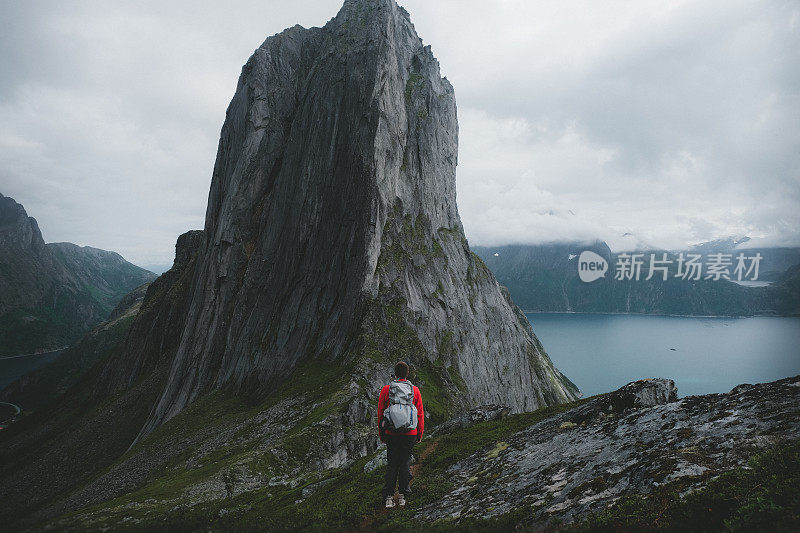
(677, 122)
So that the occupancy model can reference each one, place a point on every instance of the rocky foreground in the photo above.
(629, 441)
(554, 468)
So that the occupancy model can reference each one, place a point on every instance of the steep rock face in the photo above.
(332, 231)
(21, 244)
(155, 333)
(50, 294)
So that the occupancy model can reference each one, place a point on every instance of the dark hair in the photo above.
(401, 370)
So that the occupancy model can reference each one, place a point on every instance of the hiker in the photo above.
(401, 422)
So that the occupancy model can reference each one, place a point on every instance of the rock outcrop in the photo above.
(533, 471)
(51, 294)
(332, 232)
(476, 415)
(626, 442)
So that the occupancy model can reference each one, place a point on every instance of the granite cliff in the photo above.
(332, 232)
(332, 247)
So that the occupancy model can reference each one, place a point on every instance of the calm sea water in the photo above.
(14, 367)
(600, 353)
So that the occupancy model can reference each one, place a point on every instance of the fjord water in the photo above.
(13, 368)
(602, 352)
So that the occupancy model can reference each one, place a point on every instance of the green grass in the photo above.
(446, 345)
(455, 446)
(456, 378)
(764, 496)
(407, 237)
(415, 81)
(349, 501)
(311, 381)
(436, 396)
(389, 337)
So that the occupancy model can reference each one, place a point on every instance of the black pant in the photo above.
(398, 455)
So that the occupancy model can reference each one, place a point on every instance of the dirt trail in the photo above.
(368, 521)
(429, 449)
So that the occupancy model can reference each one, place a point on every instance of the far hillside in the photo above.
(544, 278)
(51, 294)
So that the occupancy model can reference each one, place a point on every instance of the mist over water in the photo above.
(602, 352)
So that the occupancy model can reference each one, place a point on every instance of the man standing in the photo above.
(401, 422)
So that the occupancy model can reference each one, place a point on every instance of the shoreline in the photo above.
(529, 312)
(4, 357)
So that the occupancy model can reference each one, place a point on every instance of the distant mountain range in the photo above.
(544, 278)
(51, 294)
(775, 263)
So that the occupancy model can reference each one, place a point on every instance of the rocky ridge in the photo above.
(626, 442)
(553, 472)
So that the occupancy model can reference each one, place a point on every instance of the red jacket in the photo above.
(383, 403)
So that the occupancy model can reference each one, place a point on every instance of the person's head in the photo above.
(401, 370)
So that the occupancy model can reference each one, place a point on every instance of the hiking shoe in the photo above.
(390, 502)
(401, 501)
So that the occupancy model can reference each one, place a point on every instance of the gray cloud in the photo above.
(676, 122)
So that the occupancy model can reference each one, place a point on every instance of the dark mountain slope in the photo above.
(67, 441)
(618, 461)
(44, 384)
(51, 294)
(544, 278)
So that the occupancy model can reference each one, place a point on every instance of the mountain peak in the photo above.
(17, 229)
(332, 232)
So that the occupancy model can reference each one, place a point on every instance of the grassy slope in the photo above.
(49, 324)
(46, 383)
(766, 493)
(349, 500)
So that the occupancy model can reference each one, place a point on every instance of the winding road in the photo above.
(12, 417)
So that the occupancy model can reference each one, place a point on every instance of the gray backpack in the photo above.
(401, 415)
